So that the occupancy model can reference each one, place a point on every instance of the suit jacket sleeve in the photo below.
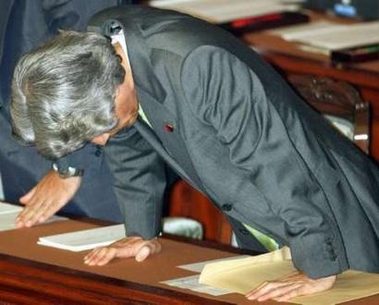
(224, 93)
(140, 181)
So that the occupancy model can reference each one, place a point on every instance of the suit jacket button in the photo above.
(332, 255)
(168, 127)
(227, 207)
(98, 151)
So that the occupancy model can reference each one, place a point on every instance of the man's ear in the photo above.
(101, 139)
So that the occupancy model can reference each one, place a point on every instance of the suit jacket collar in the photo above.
(138, 52)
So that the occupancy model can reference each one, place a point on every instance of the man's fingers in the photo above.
(143, 253)
(46, 198)
(100, 256)
(48, 210)
(290, 286)
(34, 207)
(267, 290)
(123, 248)
(278, 290)
(28, 216)
(295, 292)
(38, 210)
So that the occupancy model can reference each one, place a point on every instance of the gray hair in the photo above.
(63, 93)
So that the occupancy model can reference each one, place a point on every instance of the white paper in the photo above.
(293, 32)
(8, 221)
(84, 239)
(1, 189)
(192, 283)
(198, 267)
(9, 213)
(6, 208)
(333, 36)
(221, 11)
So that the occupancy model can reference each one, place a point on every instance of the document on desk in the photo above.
(9, 213)
(243, 275)
(84, 239)
(7, 208)
(198, 267)
(333, 36)
(192, 282)
(222, 11)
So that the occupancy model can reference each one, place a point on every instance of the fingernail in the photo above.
(140, 258)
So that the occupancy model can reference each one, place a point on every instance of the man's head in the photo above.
(63, 92)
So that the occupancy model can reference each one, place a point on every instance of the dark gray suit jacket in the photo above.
(230, 126)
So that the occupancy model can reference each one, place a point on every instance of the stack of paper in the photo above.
(333, 36)
(8, 214)
(84, 239)
(7, 208)
(222, 11)
(192, 282)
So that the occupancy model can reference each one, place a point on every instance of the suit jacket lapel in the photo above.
(154, 141)
(151, 95)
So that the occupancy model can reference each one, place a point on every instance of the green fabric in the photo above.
(143, 115)
(266, 241)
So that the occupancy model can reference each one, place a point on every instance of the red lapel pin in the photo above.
(168, 127)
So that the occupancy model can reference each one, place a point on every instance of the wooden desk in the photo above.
(33, 274)
(288, 58)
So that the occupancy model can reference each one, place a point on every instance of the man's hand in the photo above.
(46, 198)
(123, 248)
(293, 285)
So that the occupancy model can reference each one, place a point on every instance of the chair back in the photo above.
(339, 102)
